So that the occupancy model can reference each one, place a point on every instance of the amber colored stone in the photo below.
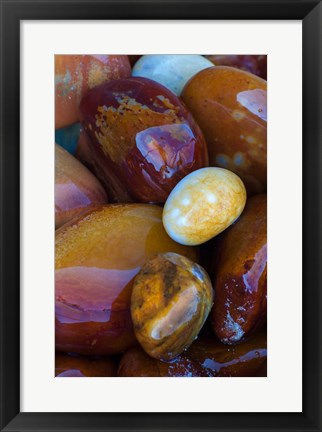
(136, 363)
(171, 300)
(76, 188)
(76, 366)
(76, 74)
(255, 64)
(143, 139)
(246, 359)
(230, 107)
(240, 275)
(97, 257)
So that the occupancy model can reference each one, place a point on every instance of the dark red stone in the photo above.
(143, 140)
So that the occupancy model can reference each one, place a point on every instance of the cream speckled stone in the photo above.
(203, 204)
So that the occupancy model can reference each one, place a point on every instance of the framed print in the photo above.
(164, 255)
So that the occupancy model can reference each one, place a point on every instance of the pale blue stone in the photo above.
(171, 70)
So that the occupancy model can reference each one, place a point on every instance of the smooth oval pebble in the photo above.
(240, 275)
(173, 71)
(203, 204)
(142, 142)
(171, 299)
(230, 106)
(76, 188)
(97, 257)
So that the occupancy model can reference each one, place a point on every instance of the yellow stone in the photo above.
(171, 300)
(203, 204)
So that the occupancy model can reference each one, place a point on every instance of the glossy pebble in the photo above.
(97, 257)
(172, 71)
(203, 205)
(142, 139)
(171, 299)
(229, 105)
(76, 188)
(240, 275)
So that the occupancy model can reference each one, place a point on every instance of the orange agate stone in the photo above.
(97, 257)
(171, 299)
(230, 107)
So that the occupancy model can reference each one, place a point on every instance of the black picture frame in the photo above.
(12, 12)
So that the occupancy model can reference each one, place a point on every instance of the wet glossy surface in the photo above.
(136, 363)
(76, 74)
(240, 274)
(97, 258)
(171, 299)
(230, 107)
(243, 360)
(255, 64)
(203, 204)
(74, 366)
(172, 71)
(76, 189)
(143, 140)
